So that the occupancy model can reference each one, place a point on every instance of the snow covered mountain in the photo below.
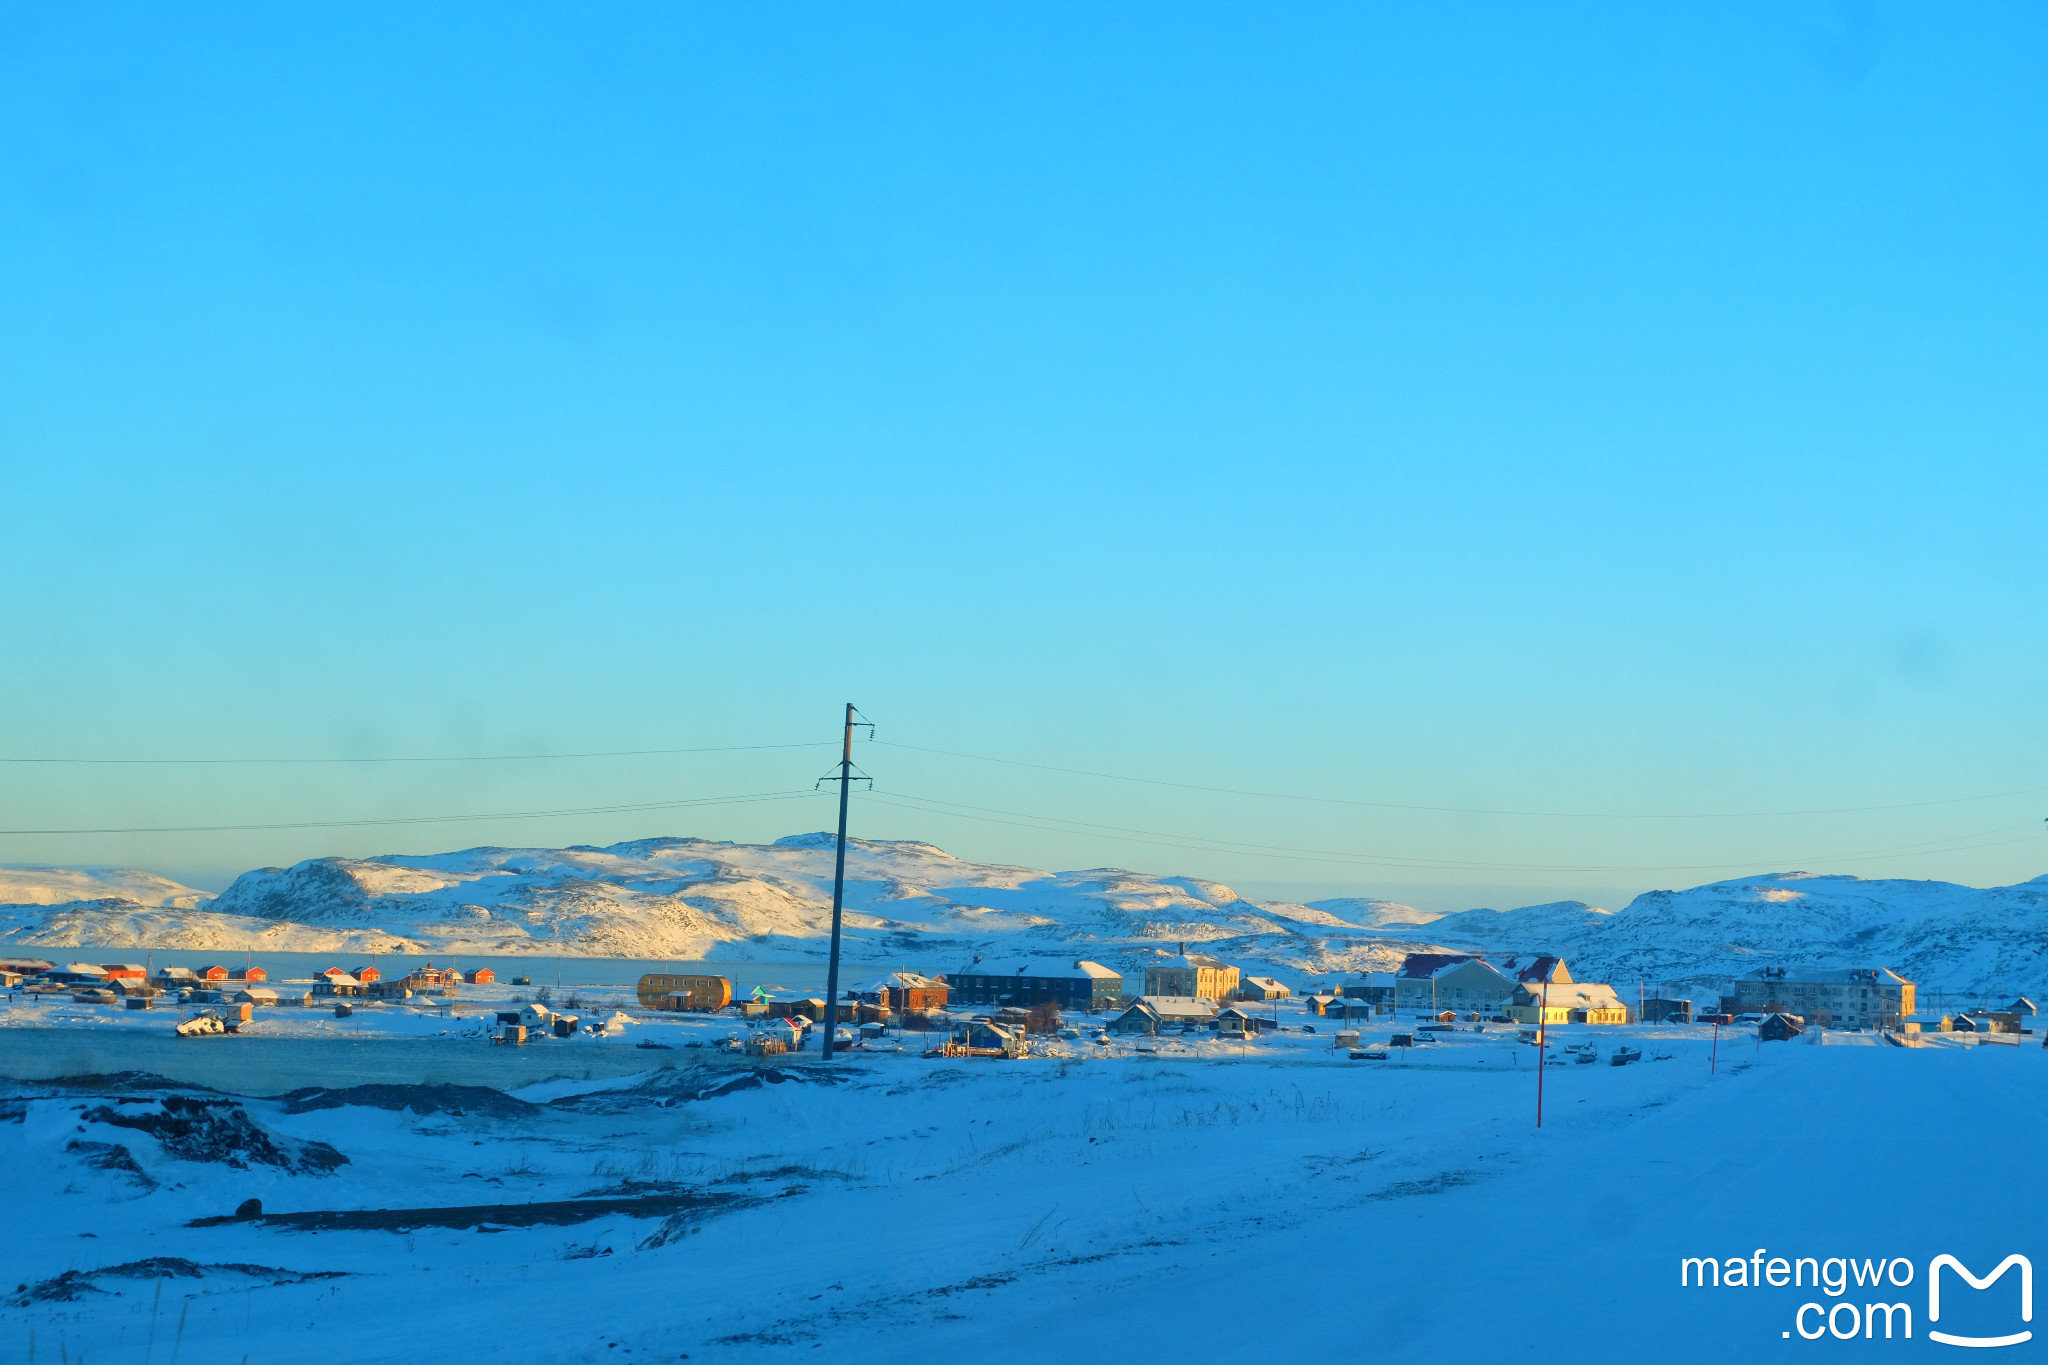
(1961, 938)
(912, 904)
(677, 899)
(63, 885)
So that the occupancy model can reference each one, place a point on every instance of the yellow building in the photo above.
(659, 992)
(1191, 974)
(1568, 1002)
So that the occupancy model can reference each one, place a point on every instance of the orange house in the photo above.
(367, 974)
(482, 976)
(248, 974)
(214, 974)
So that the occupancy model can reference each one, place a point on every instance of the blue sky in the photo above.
(1628, 416)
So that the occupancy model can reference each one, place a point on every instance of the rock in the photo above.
(249, 1208)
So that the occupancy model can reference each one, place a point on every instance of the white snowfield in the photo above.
(883, 1206)
(913, 903)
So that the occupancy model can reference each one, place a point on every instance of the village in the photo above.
(1015, 1008)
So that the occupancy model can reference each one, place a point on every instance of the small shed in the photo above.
(1780, 1028)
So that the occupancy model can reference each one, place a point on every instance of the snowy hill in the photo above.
(912, 904)
(1937, 933)
(63, 885)
(906, 902)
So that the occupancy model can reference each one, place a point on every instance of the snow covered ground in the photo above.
(1258, 1197)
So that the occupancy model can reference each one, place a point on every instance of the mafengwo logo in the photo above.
(1867, 1315)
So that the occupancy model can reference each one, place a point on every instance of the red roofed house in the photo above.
(333, 972)
(248, 974)
(482, 976)
(117, 970)
(367, 974)
(214, 974)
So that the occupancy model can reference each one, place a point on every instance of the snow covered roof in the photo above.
(1423, 966)
(1828, 976)
(897, 981)
(85, 969)
(1542, 967)
(1194, 960)
(1032, 966)
(1575, 995)
(1178, 1006)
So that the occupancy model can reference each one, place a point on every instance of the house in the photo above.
(695, 991)
(1192, 975)
(1377, 989)
(255, 995)
(1465, 982)
(213, 974)
(1078, 987)
(1231, 1019)
(811, 1007)
(248, 974)
(1319, 1004)
(432, 978)
(1660, 1010)
(904, 992)
(336, 971)
(172, 978)
(988, 1038)
(1991, 1021)
(538, 1018)
(1847, 997)
(1780, 1028)
(114, 971)
(1156, 1014)
(482, 976)
(1262, 988)
(132, 985)
(333, 984)
(27, 966)
(1572, 1002)
(2022, 1006)
(367, 974)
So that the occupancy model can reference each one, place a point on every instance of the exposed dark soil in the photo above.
(666, 1089)
(220, 1130)
(111, 1156)
(550, 1213)
(479, 1100)
(73, 1284)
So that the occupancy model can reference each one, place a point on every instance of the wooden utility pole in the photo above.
(838, 889)
(1542, 1024)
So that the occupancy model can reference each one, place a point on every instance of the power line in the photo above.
(1464, 810)
(419, 758)
(438, 819)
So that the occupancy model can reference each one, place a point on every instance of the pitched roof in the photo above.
(1422, 966)
(1057, 968)
(1542, 967)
